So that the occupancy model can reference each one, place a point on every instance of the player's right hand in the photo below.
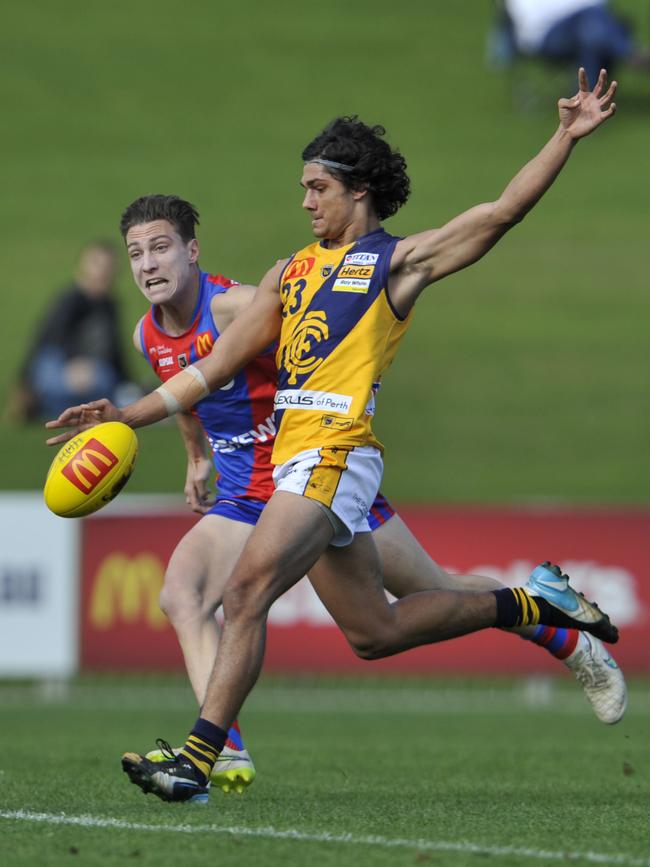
(78, 418)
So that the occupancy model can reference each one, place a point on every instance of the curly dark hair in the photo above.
(377, 167)
(181, 214)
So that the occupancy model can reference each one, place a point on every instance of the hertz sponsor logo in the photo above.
(89, 466)
(126, 590)
(204, 344)
(299, 268)
(358, 272)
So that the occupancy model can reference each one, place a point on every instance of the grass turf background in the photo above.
(493, 763)
(522, 378)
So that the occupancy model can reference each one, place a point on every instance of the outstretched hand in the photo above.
(78, 418)
(581, 115)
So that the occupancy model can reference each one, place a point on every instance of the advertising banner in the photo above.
(605, 552)
(38, 589)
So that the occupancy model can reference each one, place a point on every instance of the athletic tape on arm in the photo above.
(183, 390)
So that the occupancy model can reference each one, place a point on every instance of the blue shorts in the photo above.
(380, 511)
(248, 511)
(242, 509)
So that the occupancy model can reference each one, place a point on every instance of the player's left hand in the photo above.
(581, 115)
(197, 485)
(78, 418)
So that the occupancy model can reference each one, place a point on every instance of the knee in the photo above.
(182, 601)
(369, 646)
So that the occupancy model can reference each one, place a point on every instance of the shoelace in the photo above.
(165, 748)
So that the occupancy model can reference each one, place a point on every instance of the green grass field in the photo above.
(523, 378)
(350, 772)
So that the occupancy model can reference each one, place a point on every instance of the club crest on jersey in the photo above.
(326, 270)
(204, 344)
(182, 360)
(299, 268)
(297, 355)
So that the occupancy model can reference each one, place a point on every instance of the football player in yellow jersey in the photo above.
(337, 332)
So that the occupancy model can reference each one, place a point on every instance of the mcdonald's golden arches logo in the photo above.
(89, 466)
(299, 268)
(126, 589)
(204, 344)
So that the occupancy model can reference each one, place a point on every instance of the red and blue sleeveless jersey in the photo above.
(237, 418)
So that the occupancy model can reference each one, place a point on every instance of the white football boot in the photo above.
(600, 676)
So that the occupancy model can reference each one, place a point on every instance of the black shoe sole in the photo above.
(132, 767)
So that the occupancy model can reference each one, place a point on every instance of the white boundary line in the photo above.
(270, 833)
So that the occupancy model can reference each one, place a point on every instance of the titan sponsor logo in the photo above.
(299, 268)
(264, 432)
(89, 466)
(311, 331)
(295, 398)
(204, 344)
(126, 590)
(361, 258)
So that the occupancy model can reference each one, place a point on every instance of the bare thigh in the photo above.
(349, 583)
(408, 568)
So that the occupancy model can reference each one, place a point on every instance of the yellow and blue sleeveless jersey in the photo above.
(339, 333)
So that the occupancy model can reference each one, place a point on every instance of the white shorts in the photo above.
(343, 480)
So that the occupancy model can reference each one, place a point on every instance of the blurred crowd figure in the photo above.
(76, 352)
(583, 32)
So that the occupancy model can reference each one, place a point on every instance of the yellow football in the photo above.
(90, 469)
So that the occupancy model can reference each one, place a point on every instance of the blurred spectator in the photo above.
(582, 32)
(76, 353)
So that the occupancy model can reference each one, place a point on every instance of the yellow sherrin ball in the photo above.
(90, 469)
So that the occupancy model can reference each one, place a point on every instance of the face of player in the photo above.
(162, 264)
(332, 207)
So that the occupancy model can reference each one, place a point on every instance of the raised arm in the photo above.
(422, 259)
(248, 335)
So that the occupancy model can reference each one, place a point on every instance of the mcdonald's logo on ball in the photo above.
(90, 470)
